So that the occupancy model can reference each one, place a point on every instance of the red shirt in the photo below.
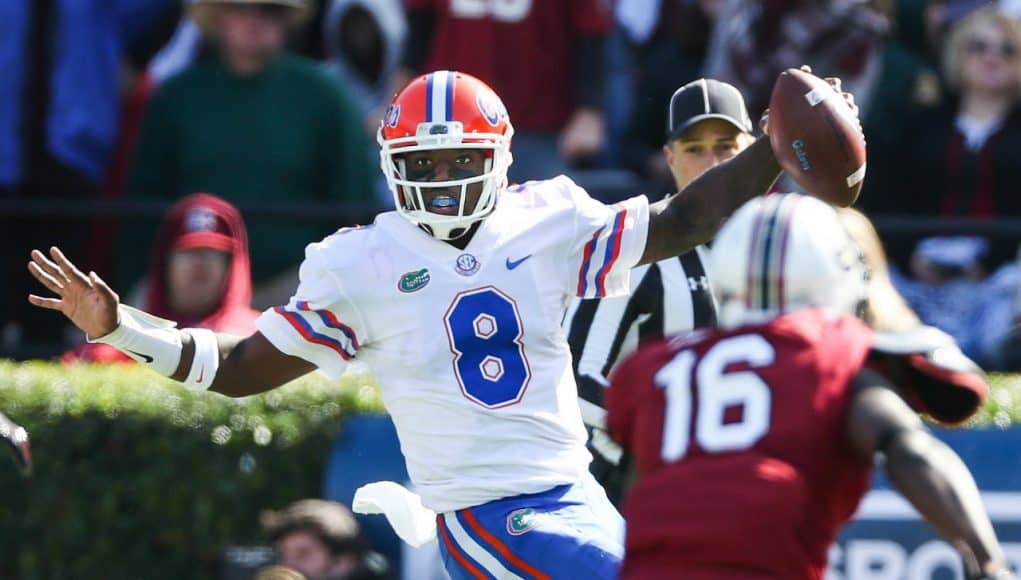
(521, 48)
(757, 479)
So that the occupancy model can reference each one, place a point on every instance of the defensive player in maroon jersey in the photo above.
(754, 443)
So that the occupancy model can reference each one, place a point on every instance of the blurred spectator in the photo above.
(1001, 315)
(888, 80)
(854, 40)
(199, 273)
(363, 43)
(953, 294)
(753, 41)
(58, 126)
(277, 572)
(965, 155)
(320, 539)
(950, 290)
(669, 39)
(998, 320)
(363, 40)
(544, 57)
(939, 16)
(254, 125)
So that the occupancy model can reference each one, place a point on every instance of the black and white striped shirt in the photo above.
(668, 297)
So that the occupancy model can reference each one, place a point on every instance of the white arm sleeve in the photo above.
(318, 324)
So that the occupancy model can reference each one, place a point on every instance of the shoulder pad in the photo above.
(938, 379)
(920, 339)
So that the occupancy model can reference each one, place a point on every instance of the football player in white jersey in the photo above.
(454, 301)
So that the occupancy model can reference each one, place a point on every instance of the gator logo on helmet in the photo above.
(393, 115)
(491, 108)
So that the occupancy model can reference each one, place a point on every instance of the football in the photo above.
(816, 137)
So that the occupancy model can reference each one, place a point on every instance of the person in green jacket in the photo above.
(255, 125)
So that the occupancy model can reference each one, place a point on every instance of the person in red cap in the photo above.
(199, 273)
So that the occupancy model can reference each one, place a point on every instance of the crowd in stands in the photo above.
(201, 109)
(276, 102)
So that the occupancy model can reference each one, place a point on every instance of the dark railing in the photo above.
(930, 226)
(898, 231)
(349, 213)
(123, 208)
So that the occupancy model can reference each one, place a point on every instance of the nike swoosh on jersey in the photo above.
(511, 265)
(144, 357)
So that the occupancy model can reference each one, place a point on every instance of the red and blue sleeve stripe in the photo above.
(612, 252)
(330, 320)
(308, 333)
(609, 258)
(586, 261)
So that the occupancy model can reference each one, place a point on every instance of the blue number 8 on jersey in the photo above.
(484, 330)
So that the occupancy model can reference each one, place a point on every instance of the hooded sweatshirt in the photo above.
(389, 17)
(196, 221)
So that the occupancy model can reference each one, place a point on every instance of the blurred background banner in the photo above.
(888, 541)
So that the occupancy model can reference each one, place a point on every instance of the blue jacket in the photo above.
(88, 41)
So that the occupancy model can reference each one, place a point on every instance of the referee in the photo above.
(708, 124)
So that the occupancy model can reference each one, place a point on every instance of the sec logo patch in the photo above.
(466, 264)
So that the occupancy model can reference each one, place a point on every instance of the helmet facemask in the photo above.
(408, 187)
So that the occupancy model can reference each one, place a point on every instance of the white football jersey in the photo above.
(466, 345)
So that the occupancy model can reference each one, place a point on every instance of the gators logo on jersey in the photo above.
(412, 281)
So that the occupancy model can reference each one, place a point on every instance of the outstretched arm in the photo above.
(247, 366)
(927, 472)
(693, 216)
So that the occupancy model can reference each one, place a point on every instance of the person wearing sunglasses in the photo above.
(962, 159)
